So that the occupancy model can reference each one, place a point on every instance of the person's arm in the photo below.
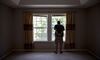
(63, 27)
(55, 27)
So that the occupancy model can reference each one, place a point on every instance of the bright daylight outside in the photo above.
(40, 25)
(40, 28)
(62, 20)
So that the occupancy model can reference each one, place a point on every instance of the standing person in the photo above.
(59, 36)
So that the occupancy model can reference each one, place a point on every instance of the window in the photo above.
(55, 18)
(40, 28)
(43, 26)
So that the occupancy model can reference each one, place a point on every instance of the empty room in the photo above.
(49, 29)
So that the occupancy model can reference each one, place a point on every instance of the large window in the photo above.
(40, 28)
(55, 18)
(43, 26)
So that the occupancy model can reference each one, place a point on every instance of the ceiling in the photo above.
(49, 3)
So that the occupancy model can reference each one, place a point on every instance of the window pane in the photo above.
(39, 28)
(62, 19)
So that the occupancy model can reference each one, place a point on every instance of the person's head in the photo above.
(58, 22)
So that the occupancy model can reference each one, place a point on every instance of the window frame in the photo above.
(49, 24)
(40, 27)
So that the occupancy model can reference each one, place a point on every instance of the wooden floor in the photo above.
(50, 56)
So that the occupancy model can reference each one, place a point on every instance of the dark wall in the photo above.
(94, 29)
(5, 29)
(81, 29)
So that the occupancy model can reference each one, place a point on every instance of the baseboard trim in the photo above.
(5, 55)
(93, 54)
(47, 50)
(21, 50)
(76, 50)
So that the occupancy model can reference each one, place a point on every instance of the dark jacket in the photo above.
(59, 30)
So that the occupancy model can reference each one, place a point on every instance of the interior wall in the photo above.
(81, 29)
(5, 29)
(80, 38)
(18, 29)
(93, 29)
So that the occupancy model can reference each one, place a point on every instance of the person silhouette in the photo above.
(58, 36)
